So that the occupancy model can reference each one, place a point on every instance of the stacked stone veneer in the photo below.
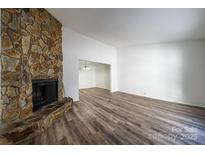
(31, 48)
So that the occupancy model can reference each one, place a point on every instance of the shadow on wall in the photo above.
(185, 74)
(193, 73)
(170, 71)
(173, 72)
(182, 78)
(193, 63)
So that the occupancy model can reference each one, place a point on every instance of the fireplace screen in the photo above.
(44, 92)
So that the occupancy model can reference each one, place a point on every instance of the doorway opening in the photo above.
(93, 74)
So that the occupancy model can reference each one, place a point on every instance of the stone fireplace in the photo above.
(31, 50)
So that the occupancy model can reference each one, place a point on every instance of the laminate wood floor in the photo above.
(101, 117)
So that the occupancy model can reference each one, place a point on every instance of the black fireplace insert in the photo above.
(44, 92)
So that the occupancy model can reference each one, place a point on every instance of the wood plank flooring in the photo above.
(101, 117)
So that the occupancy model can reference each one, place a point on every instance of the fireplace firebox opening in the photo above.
(44, 92)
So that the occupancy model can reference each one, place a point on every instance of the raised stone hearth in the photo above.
(31, 49)
(35, 123)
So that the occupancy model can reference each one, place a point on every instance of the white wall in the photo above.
(171, 71)
(87, 79)
(76, 46)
